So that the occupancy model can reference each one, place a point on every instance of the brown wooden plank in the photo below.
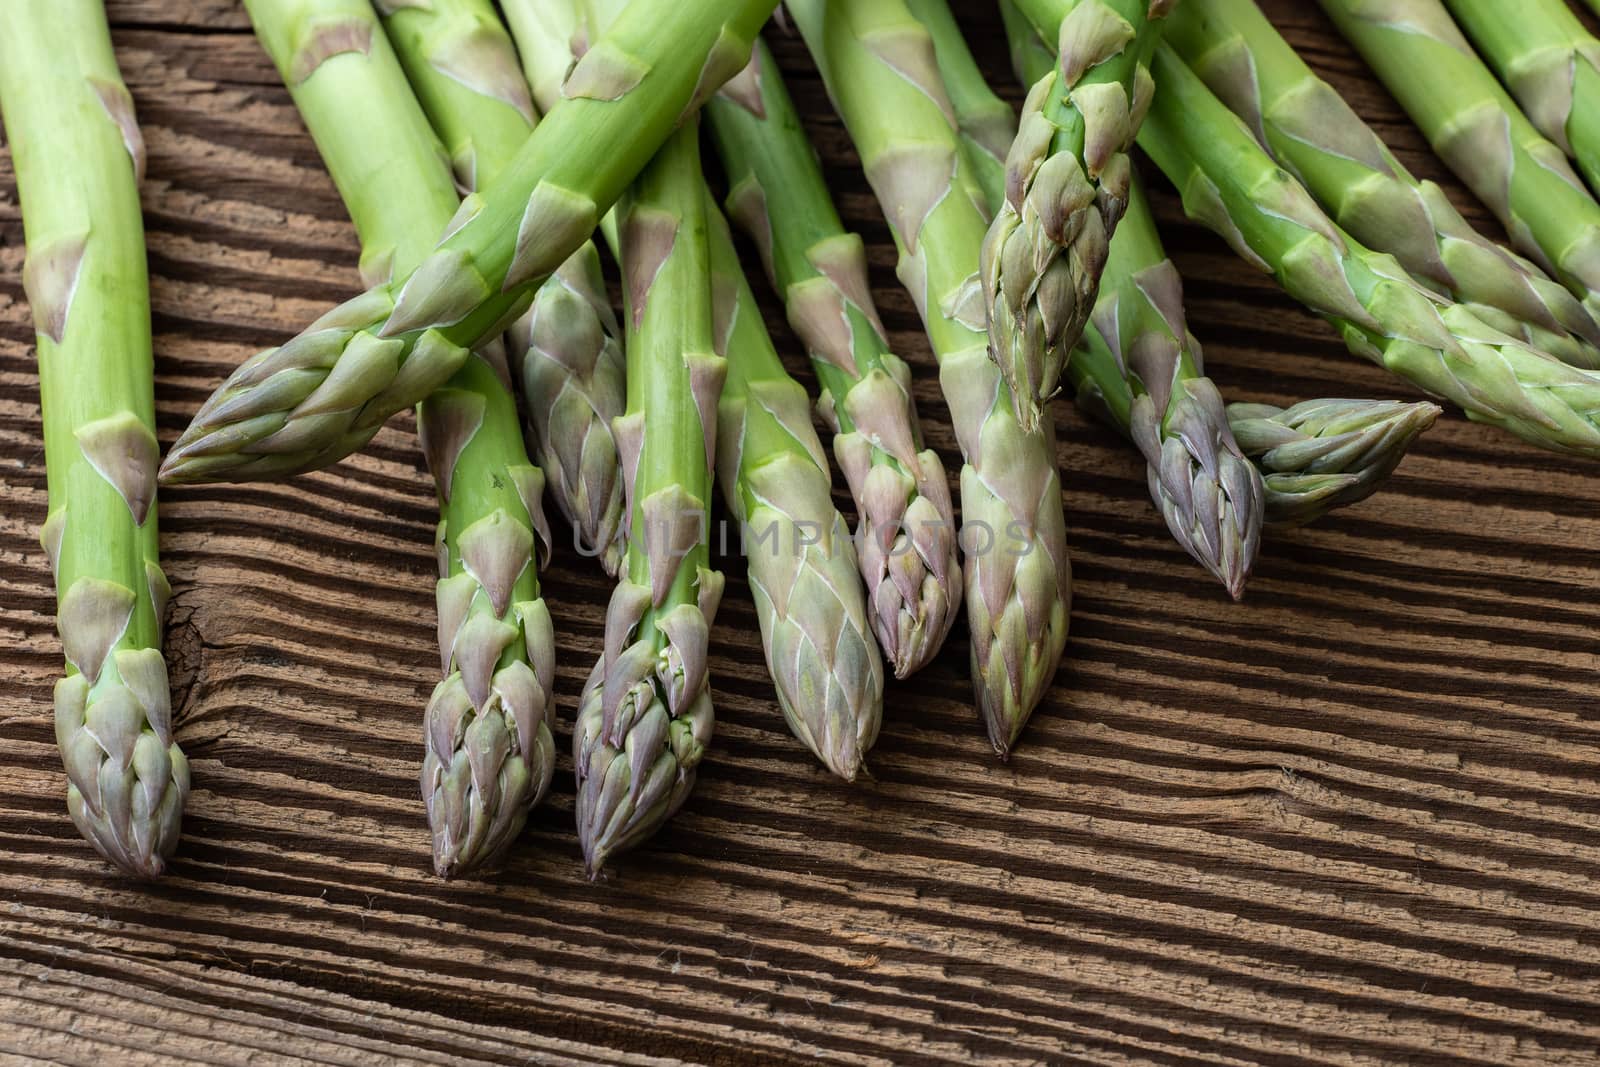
(1353, 820)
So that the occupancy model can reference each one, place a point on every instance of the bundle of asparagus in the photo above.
(880, 68)
(1316, 456)
(1422, 58)
(1028, 248)
(1308, 126)
(325, 393)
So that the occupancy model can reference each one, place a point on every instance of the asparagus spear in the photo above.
(1551, 64)
(1420, 55)
(775, 479)
(1066, 188)
(1231, 185)
(566, 350)
(907, 533)
(326, 392)
(645, 716)
(988, 124)
(880, 69)
(78, 156)
(489, 752)
(1304, 122)
(1324, 454)
(1208, 494)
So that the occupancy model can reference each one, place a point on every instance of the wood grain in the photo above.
(1355, 819)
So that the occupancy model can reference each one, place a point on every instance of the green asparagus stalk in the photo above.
(489, 753)
(1325, 454)
(907, 534)
(78, 157)
(1420, 55)
(545, 33)
(326, 392)
(1304, 122)
(566, 350)
(1066, 188)
(880, 69)
(988, 124)
(1210, 496)
(1231, 185)
(645, 716)
(775, 478)
(463, 69)
(1551, 64)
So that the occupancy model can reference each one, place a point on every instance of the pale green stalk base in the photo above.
(1230, 184)
(1551, 64)
(987, 123)
(1422, 58)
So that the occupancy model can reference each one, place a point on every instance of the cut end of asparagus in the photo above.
(1325, 454)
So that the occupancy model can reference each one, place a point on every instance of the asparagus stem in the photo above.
(326, 392)
(1420, 55)
(907, 532)
(1304, 122)
(1066, 188)
(775, 479)
(489, 752)
(463, 69)
(988, 125)
(1155, 386)
(1231, 185)
(645, 717)
(78, 156)
(566, 351)
(880, 69)
(1551, 64)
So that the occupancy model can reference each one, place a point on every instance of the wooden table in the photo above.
(1353, 819)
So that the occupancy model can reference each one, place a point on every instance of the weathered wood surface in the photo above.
(1354, 819)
